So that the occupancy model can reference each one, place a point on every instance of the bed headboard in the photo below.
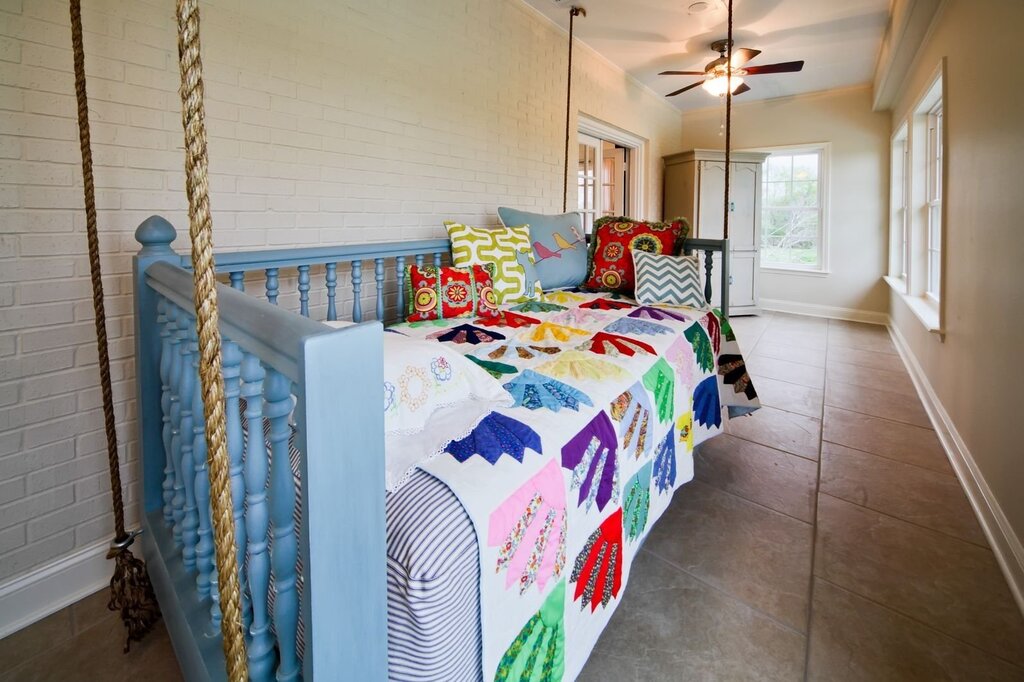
(376, 273)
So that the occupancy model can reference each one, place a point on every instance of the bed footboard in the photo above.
(710, 247)
(290, 371)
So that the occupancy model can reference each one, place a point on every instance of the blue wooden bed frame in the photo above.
(324, 386)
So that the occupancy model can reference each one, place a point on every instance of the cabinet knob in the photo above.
(730, 280)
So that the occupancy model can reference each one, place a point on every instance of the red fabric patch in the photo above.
(611, 264)
(507, 318)
(445, 293)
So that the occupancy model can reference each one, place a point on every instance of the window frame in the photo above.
(823, 149)
(899, 201)
(926, 178)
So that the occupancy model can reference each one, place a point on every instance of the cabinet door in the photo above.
(744, 203)
(743, 274)
(712, 190)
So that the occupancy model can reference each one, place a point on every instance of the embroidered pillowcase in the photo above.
(443, 293)
(431, 393)
(672, 280)
(559, 247)
(612, 244)
(508, 249)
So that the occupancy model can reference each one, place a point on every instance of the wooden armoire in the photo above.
(695, 188)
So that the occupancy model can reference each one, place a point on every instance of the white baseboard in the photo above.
(1004, 542)
(37, 594)
(815, 310)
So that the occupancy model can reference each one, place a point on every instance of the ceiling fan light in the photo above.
(717, 85)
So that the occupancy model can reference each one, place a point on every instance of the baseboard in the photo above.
(815, 310)
(37, 594)
(1004, 542)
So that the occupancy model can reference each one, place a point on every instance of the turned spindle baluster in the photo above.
(189, 386)
(357, 291)
(167, 486)
(304, 290)
(237, 280)
(257, 521)
(278, 406)
(331, 278)
(400, 278)
(273, 285)
(378, 276)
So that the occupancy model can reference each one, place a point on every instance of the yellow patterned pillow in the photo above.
(508, 248)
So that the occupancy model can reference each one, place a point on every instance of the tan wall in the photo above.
(858, 212)
(329, 122)
(976, 371)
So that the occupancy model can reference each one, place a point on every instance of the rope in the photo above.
(131, 591)
(205, 296)
(728, 124)
(568, 98)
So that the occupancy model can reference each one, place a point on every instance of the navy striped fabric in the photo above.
(433, 574)
(433, 585)
(672, 280)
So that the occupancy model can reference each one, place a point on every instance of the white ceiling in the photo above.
(837, 39)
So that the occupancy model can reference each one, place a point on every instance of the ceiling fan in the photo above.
(716, 73)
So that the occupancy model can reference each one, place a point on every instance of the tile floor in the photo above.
(824, 538)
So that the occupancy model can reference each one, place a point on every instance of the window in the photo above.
(899, 195)
(609, 175)
(916, 225)
(934, 199)
(792, 209)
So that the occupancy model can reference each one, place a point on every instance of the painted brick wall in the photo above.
(329, 122)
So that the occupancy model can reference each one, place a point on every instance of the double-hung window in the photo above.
(916, 231)
(933, 151)
(793, 209)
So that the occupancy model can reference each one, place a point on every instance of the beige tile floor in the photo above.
(824, 538)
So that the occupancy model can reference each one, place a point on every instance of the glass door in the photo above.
(588, 181)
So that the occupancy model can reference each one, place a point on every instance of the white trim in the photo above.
(779, 270)
(39, 593)
(1005, 544)
(815, 310)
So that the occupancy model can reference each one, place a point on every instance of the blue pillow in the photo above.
(558, 246)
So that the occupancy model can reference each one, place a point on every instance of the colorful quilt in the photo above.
(610, 399)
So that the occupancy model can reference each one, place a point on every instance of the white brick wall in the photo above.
(329, 122)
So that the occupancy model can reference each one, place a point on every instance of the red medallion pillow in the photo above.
(613, 242)
(443, 293)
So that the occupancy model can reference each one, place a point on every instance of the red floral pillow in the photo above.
(444, 293)
(612, 245)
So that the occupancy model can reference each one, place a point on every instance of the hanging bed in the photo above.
(502, 557)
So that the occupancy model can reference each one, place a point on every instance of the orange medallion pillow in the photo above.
(613, 242)
(443, 293)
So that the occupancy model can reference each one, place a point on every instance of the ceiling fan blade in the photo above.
(781, 67)
(740, 90)
(681, 73)
(743, 55)
(682, 90)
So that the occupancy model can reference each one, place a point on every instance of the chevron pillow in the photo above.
(674, 280)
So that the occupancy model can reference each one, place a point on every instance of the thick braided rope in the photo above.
(728, 126)
(92, 235)
(211, 379)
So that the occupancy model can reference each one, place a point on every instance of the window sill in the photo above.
(925, 309)
(777, 270)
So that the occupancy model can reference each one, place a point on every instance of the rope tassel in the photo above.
(131, 591)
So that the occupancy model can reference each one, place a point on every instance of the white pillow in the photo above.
(672, 280)
(432, 395)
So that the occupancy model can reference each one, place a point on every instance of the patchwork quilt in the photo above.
(610, 399)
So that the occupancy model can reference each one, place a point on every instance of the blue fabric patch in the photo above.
(665, 462)
(494, 436)
(534, 391)
(627, 325)
(707, 407)
(558, 245)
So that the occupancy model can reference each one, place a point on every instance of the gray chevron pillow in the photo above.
(674, 280)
